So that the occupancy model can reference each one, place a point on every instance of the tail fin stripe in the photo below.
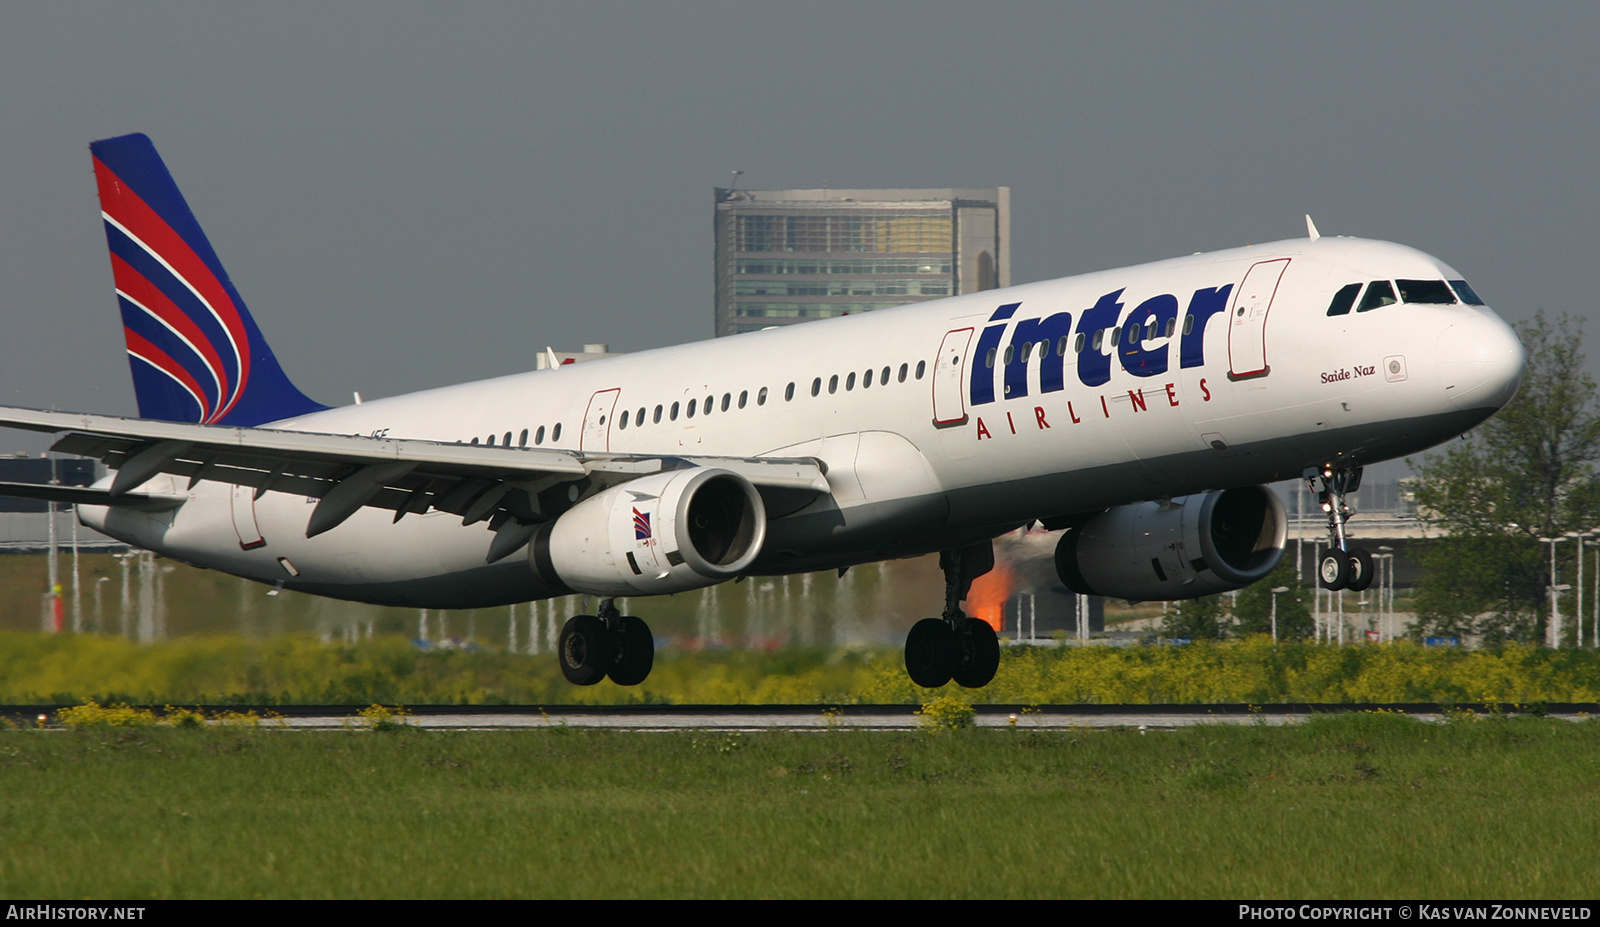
(124, 209)
(175, 353)
(133, 287)
(177, 295)
(237, 341)
(140, 348)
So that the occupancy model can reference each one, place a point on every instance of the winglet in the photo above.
(1311, 229)
(195, 352)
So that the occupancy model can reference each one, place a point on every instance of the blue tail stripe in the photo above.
(181, 296)
(157, 390)
(137, 321)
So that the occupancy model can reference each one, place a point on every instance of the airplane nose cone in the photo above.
(1480, 362)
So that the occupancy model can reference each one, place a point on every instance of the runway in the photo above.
(819, 717)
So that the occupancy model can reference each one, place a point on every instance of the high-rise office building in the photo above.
(786, 256)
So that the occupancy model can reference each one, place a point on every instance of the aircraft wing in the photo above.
(514, 489)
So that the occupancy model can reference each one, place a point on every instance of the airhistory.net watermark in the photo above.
(61, 912)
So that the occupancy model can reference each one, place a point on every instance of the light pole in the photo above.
(1275, 592)
(1553, 633)
(1594, 624)
(1385, 558)
(1577, 587)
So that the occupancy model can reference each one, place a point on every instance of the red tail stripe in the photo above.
(141, 348)
(133, 213)
(142, 291)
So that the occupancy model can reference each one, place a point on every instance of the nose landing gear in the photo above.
(1343, 566)
(954, 646)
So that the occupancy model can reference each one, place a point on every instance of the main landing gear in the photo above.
(1343, 566)
(954, 646)
(608, 644)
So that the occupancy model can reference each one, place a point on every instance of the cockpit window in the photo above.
(1379, 294)
(1432, 292)
(1344, 299)
(1468, 294)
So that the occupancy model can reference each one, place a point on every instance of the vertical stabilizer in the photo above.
(195, 352)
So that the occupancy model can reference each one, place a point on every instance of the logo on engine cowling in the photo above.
(641, 525)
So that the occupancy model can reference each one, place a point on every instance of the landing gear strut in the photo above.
(1343, 566)
(954, 646)
(608, 644)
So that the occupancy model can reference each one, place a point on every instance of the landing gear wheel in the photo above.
(638, 652)
(980, 653)
(1333, 570)
(1360, 569)
(587, 652)
(930, 653)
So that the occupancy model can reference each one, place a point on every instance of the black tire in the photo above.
(587, 651)
(1333, 570)
(930, 653)
(638, 653)
(1360, 569)
(980, 652)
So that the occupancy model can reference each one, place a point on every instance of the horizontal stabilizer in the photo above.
(83, 495)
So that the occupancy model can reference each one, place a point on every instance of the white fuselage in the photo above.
(1254, 383)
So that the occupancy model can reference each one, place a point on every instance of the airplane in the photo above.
(1139, 411)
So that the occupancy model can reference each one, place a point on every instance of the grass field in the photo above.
(1355, 806)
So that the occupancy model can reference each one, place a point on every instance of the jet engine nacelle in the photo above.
(666, 532)
(1182, 549)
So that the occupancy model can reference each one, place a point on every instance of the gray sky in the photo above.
(414, 195)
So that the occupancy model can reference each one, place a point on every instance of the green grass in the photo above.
(1358, 806)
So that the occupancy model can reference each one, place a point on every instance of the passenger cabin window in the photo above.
(903, 369)
(833, 384)
(1379, 294)
(921, 367)
(673, 415)
(1344, 299)
(1426, 292)
(761, 397)
(624, 423)
(884, 376)
(523, 441)
(555, 433)
(657, 417)
(1467, 294)
(727, 400)
(507, 441)
(744, 394)
(538, 436)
